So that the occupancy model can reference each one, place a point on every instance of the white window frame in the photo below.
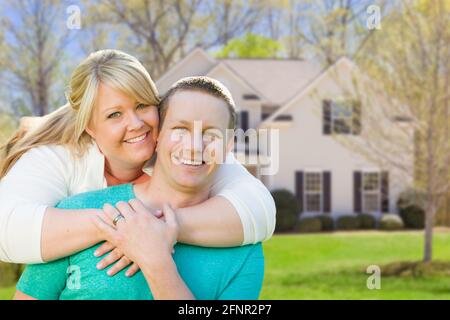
(370, 192)
(306, 192)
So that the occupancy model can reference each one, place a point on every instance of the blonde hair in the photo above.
(66, 126)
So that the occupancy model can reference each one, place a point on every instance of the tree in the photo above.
(160, 33)
(251, 46)
(33, 49)
(408, 63)
(324, 30)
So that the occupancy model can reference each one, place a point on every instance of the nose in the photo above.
(193, 145)
(135, 122)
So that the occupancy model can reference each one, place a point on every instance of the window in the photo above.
(313, 192)
(342, 116)
(371, 187)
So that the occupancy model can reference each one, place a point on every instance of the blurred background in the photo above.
(357, 92)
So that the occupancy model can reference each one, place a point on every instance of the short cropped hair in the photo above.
(204, 84)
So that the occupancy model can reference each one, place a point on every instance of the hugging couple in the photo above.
(87, 204)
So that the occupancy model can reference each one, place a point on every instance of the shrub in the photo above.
(287, 210)
(413, 216)
(9, 274)
(348, 222)
(309, 224)
(411, 197)
(367, 221)
(327, 222)
(390, 221)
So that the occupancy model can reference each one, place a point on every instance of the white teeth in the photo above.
(137, 139)
(191, 163)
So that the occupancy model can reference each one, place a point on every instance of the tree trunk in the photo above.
(429, 221)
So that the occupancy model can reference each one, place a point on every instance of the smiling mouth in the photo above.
(137, 139)
(189, 162)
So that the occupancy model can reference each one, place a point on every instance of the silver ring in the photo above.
(117, 218)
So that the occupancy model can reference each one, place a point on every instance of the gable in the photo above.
(196, 63)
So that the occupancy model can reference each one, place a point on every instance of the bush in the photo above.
(367, 221)
(9, 274)
(348, 222)
(411, 197)
(309, 224)
(390, 221)
(327, 222)
(287, 210)
(413, 216)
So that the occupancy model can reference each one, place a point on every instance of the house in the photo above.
(309, 110)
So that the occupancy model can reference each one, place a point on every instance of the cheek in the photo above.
(109, 136)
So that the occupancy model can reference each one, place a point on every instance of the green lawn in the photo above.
(332, 266)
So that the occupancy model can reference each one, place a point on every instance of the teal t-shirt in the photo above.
(210, 273)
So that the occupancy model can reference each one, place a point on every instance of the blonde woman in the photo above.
(104, 136)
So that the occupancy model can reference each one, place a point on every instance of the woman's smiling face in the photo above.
(124, 129)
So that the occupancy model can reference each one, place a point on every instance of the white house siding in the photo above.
(198, 63)
(303, 146)
(238, 89)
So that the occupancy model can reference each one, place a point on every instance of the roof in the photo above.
(279, 80)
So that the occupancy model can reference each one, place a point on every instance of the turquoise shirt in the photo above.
(210, 273)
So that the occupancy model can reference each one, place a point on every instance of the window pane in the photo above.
(371, 203)
(313, 182)
(371, 181)
(342, 126)
(313, 202)
(342, 109)
(342, 114)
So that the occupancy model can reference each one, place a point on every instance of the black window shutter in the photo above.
(326, 191)
(357, 191)
(243, 121)
(299, 189)
(326, 116)
(384, 191)
(356, 117)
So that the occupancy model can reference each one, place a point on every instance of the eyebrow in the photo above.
(117, 107)
(189, 124)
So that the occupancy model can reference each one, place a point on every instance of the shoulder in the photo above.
(96, 199)
(48, 152)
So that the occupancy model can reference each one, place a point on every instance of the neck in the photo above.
(160, 190)
(123, 174)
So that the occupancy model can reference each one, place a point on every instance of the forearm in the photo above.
(213, 223)
(19, 295)
(165, 281)
(65, 232)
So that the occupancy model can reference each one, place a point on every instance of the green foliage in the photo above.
(348, 222)
(327, 222)
(411, 197)
(390, 221)
(367, 221)
(287, 210)
(413, 216)
(309, 224)
(251, 46)
(9, 274)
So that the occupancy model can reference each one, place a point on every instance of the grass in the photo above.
(6, 293)
(333, 266)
